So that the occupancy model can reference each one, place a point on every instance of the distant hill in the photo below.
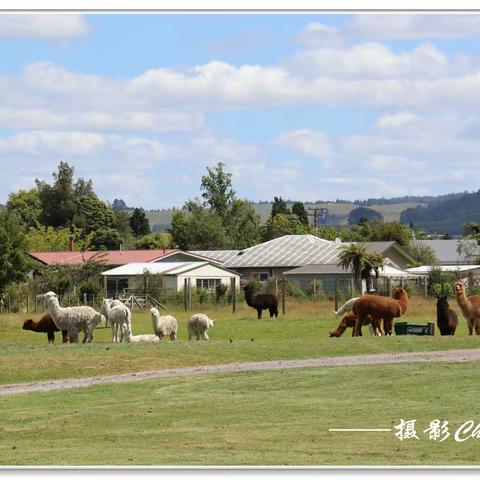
(447, 216)
(339, 212)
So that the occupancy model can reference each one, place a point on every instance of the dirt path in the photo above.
(49, 385)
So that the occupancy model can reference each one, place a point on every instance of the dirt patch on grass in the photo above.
(49, 385)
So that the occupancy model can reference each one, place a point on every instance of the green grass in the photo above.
(256, 418)
(302, 333)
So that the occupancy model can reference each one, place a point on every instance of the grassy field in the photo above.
(302, 333)
(262, 418)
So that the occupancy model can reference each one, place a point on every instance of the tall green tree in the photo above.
(14, 261)
(298, 209)
(217, 189)
(243, 225)
(26, 205)
(179, 230)
(279, 206)
(139, 223)
(206, 230)
(154, 240)
(282, 224)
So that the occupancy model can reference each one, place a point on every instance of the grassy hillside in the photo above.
(161, 219)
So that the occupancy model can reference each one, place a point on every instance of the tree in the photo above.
(14, 261)
(298, 209)
(363, 212)
(58, 200)
(206, 230)
(389, 231)
(179, 230)
(106, 239)
(243, 225)
(361, 262)
(423, 254)
(139, 223)
(217, 189)
(282, 224)
(50, 239)
(279, 206)
(154, 240)
(26, 205)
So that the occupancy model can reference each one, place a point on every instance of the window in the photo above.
(207, 283)
(262, 276)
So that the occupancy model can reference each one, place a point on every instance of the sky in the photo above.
(307, 107)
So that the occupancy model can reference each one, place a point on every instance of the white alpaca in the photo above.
(113, 303)
(198, 325)
(120, 319)
(164, 326)
(346, 307)
(142, 338)
(73, 319)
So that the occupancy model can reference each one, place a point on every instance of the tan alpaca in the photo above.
(470, 307)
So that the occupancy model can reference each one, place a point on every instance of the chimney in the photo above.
(71, 244)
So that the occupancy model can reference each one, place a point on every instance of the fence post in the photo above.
(283, 295)
(28, 303)
(85, 298)
(426, 288)
(336, 294)
(185, 297)
(233, 287)
(314, 288)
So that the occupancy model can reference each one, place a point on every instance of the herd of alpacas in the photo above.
(73, 320)
(378, 312)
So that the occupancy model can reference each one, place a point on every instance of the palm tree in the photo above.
(361, 262)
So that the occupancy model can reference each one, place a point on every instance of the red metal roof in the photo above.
(109, 257)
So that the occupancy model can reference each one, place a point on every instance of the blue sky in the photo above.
(304, 106)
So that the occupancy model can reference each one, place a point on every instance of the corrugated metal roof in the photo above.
(219, 255)
(165, 268)
(446, 250)
(109, 257)
(386, 271)
(425, 269)
(286, 251)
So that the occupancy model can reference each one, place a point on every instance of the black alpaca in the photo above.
(262, 301)
(447, 319)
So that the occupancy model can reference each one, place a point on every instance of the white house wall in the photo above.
(207, 271)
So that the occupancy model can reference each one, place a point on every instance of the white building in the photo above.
(169, 275)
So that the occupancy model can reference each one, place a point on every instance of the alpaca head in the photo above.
(154, 312)
(210, 323)
(459, 288)
(398, 292)
(27, 324)
(51, 297)
(442, 303)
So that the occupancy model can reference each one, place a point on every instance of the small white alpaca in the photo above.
(147, 338)
(198, 326)
(346, 307)
(73, 319)
(120, 319)
(163, 326)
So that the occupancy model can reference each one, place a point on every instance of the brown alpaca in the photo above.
(45, 325)
(470, 307)
(379, 308)
(349, 320)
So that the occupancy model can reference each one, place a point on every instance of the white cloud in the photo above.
(317, 34)
(306, 141)
(43, 25)
(396, 119)
(411, 26)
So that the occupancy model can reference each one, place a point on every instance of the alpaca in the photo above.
(262, 301)
(45, 325)
(147, 338)
(120, 319)
(346, 307)
(73, 319)
(165, 325)
(349, 320)
(113, 303)
(198, 325)
(447, 319)
(470, 307)
(379, 308)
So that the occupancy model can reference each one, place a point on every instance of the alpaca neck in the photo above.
(53, 307)
(464, 303)
(249, 298)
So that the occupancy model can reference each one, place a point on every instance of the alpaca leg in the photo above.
(388, 324)
(114, 332)
(272, 312)
(477, 326)
(259, 313)
(51, 337)
(73, 335)
(358, 326)
(205, 336)
(470, 327)
(189, 335)
(64, 336)
(173, 336)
